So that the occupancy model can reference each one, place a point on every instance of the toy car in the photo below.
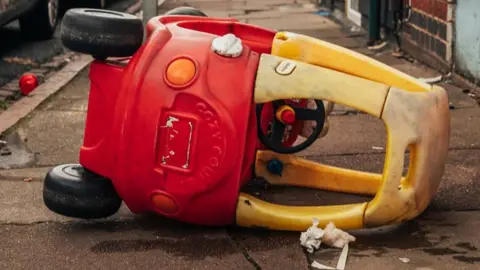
(177, 126)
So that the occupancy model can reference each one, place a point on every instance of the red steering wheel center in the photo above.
(285, 114)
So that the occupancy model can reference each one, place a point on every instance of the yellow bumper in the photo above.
(416, 116)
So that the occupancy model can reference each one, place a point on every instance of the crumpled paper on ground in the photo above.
(313, 237)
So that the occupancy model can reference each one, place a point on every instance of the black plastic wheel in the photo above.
(72, 191)
(41, 21)
(186, 11)
(101, 33)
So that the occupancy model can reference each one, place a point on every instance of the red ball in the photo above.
(27, 83)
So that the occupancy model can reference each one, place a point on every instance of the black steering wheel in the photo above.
(274, 139)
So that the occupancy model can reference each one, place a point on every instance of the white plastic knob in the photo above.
(228, 45)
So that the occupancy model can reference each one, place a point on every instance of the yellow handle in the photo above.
(312, 82)
(324, 54)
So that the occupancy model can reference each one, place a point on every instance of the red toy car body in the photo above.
(180, 125)
(184, 150)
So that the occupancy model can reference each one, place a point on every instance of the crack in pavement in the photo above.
(245, 253)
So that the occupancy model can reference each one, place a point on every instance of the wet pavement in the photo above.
(444, 237)
(433, 241)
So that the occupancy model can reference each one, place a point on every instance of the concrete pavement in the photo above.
(31, 237)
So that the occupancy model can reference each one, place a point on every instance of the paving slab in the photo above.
(224, 13)
(350, 134)
(222, 5)
(271, 250)
(22, 203)
(54, 136)
(73, 98)
(291, 21)
(276, 13)
(279, 2)
(439, 241)
(353, 134)
(25, 174)
(336, 32)
(15, 154)
(335, 36)
(459, 188)
(416, 70)
(346, 42)
(457, 97)
(434, 240)
(153, 243)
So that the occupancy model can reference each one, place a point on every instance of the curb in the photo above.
(52, 84)
(57, 81)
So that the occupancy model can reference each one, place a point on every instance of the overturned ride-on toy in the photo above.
(177, 124)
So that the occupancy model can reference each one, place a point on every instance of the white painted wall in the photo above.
(467, 37)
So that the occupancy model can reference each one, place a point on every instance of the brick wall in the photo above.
(428, 30)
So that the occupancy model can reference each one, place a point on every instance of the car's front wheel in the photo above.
(40, 22)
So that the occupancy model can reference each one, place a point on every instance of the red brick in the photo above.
(436, 8)
(423, 5)
(440, 10)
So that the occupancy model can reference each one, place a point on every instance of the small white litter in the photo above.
(377, 148)
(321, 266)
(313, 237)
(378, 46)
(431, 80)
(331, 236)
(355, 29)
(335, 237)
(405, 260)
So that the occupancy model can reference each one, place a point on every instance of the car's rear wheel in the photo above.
(41, 21)
(101, 33)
